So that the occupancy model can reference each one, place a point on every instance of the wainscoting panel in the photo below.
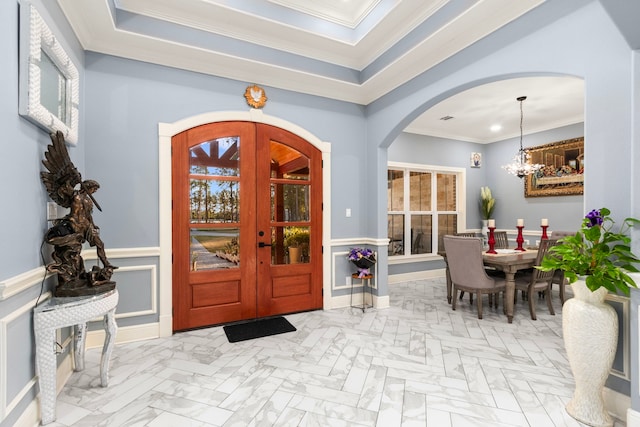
(15, 336)
(341, 274)
(138, 289)
(621, 364)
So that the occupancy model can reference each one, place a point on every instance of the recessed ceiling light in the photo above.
(495, 128)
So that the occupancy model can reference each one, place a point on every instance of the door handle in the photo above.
(263, 244)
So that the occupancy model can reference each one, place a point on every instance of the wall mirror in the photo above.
(49, 80)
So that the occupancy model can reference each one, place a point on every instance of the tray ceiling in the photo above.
(349, 50)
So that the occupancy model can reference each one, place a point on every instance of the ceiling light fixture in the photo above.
(520, 165)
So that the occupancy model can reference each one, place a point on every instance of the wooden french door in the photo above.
(247, 224)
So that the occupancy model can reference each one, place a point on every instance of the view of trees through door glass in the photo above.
(422, 208)
(214, 180)
(290, 205)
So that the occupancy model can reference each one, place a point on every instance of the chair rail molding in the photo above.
(21, 282)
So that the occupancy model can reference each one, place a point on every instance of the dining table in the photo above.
(509, 261)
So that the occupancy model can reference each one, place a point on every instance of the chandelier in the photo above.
(520, 165)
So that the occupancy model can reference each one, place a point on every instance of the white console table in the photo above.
(58, 313)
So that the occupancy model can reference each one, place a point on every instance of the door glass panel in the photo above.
(290, 202)
(214, 201)
(214, 198)
(220, 157)
(421, 234)
(288, 163)
(290, 245)
(214, 248)
(395, 232)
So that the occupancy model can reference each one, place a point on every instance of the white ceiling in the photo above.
(349, 50)
(551, 102)
(349, 13)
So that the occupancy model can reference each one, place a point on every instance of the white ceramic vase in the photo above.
(590, 330)
(485, 231)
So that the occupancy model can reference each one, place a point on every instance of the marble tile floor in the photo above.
(417, 363)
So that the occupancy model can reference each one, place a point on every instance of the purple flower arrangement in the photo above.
(594, 218)
(362, 258)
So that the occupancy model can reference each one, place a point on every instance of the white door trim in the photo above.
(165, 132)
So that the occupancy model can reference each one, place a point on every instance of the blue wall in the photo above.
(23, 195)
(24, 205)
(125, 101)
(569, 46)
(122, 102)
(564, 212)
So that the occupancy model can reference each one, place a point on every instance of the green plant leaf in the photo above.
(597, 252)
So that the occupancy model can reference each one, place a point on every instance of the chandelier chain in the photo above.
(521, 120)
(520, 165)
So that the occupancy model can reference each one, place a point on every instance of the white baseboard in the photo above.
(633, 418)
(31, 415)
(64, 371)
(345, 301)
(165, 325)
(381, 302)
(617, 404)
(416, 275)
(124, 334)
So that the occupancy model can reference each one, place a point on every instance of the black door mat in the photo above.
(257, 329)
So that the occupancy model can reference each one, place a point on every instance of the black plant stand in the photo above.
(366, 283)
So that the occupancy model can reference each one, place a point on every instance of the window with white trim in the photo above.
(422, 206)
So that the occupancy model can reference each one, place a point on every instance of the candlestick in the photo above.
(520, 222)
(544, 232)
(492, 223)
(492, 241)
(544, 221)
(520, 239)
